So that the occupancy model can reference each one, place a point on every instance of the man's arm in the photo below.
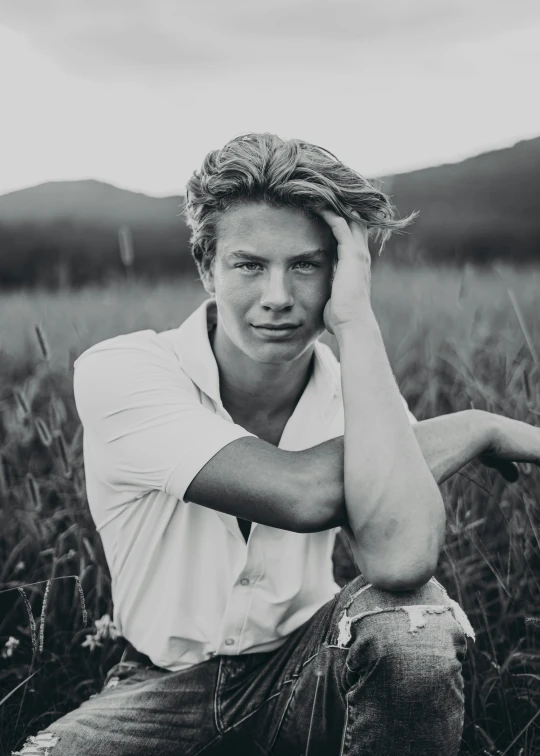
(393, 504)
(394, 507)
(448, 443)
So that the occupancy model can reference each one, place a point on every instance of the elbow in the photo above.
(402, 580)
(416, 564)
(407, 574)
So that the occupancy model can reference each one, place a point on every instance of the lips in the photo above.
(274, 327)
(276, 332)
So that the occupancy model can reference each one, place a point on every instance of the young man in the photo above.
(222, 456)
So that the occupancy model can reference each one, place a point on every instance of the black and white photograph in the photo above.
(269, 378)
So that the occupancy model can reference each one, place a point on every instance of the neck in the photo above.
(250, 388)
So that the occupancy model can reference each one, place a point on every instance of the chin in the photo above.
(278, 351)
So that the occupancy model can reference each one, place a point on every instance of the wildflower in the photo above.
(106, 628)
(10, 645)
(19, 567)
(91, 642)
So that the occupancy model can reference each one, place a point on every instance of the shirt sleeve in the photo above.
(144, 425)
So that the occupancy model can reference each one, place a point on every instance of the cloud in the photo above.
(152, 39)
(136, 92)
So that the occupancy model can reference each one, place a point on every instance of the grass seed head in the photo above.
(43, 432)
(30, 617)
(42, 342)
(42, 619)
(3, 481)
(33, 491)
(125, 242)
(64, 455)
(22, 403)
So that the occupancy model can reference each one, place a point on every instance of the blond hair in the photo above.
(282, 173)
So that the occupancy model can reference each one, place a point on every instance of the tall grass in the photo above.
(454, 341)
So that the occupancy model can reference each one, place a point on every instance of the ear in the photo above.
(207, 279)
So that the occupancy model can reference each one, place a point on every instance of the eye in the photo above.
(307, 266)
(243, 266)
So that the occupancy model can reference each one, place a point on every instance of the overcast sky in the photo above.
(136, 92)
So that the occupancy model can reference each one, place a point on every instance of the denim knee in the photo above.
(391, 618)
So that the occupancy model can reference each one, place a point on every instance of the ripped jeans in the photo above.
(372, 673)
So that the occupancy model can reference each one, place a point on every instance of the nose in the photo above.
(277, 292)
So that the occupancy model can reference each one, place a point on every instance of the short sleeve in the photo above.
(410, 415)
(144, 425)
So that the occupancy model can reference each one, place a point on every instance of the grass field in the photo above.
(454, 341)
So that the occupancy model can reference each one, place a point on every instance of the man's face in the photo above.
(272, 266)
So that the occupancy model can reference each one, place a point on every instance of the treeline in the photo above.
(72, 254)
(460, 239)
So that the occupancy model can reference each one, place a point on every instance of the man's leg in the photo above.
(372, 673)
(385, 677)
(140, 711)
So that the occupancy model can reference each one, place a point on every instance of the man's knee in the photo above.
(393, 617)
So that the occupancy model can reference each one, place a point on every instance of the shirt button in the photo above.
(229, 641)
(244, 581)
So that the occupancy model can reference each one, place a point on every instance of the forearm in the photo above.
(394, 507)
(447, 442)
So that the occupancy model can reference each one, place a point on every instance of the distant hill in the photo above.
(86, 201)
(479, 210)
(66, 233)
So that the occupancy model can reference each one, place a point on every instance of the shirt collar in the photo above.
(193, 349)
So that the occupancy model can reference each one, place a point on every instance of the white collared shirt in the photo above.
(185, 585)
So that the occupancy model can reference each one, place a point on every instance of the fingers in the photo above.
(338, 224)
(359, 229)
(509, 470)
(360, 234)
(353, 233)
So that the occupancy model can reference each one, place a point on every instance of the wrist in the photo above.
(356, 325)
(488, 426)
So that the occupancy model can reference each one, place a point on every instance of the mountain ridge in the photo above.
(38, 202)
(92, 187)
(480, 209)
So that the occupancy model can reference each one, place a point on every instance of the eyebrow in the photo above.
(315, 253)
